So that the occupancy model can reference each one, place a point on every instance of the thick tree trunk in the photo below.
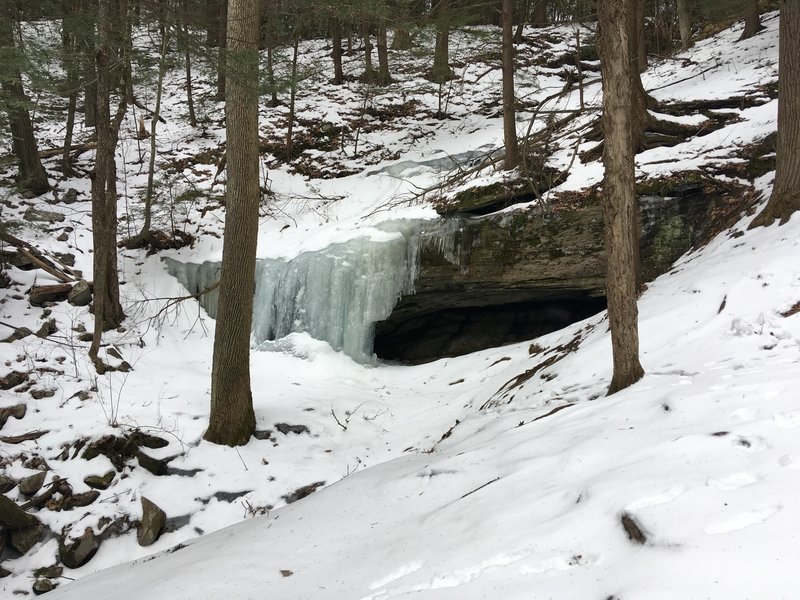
(752, 21)
(522, 18)
(369, 71)
(619, 199)
(641, 38)
(441, 55)
(384, 76)
(232, 419)
(222, 55)
(401, 39)
(685, 24)
(539, 17)
(108, 311)
(509, 114)
(32, 176)
(336, 35)
(785, 199)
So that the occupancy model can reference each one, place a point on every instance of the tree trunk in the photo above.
(151, 170)
(212, 10)
(752, 22)
(336, 35)
(32, 176)
(384, 76)
(69, 40)
(232, 419)
(401, 39)
(785, 198)
(619, 200)
(188, 67)
(223, 44)
(108, 311)
(641, 38)
(539, 18)
(685, 24)
(509, 114)
(441, 56)
(292, 98)
(522, 18)
(369, 71)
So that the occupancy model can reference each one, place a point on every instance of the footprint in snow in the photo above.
(743, 520)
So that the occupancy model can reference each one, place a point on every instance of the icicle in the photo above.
(339, 293)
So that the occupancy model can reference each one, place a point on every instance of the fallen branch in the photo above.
(39, 259)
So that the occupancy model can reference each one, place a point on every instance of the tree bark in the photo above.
(685, 24)
(232, 419)
(384, 76)
(108, 311)
(32, 176)
(641, 38)
(539, 17)
(619, 200)
(441, 55)
(221, 56)
(522, 18)
(336, 38)
(509, 114)
(369, 71)
(785, 198)
(752, 22)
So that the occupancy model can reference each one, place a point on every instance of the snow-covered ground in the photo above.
(503, 474)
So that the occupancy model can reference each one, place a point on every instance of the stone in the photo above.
(39, 295)
(70, 197)
(47, 328)
(12, 379)
(32, 484)
(4, 572)
(79, 552)
(7, 484)
(24, 539)
(42, 585)
(100, 483)
(17, 411)
(20, 333)
(42, 216)
(79, 500)
(152, 523)
(40, 393)
(87, 336)
(81, 294)
(63, 237)
(51, 572)
(154, 465)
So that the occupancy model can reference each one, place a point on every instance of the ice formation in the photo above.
(336, 294)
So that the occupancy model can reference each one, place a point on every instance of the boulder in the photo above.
(17, 411)
(47, 328)
(42, 216)
(152, 524)
(79, 552)
(81, 294)
(12, 379)
(70, 197)
(24, 539)
(40, 295)
(42, 585)
(99, 483)
(32, 484)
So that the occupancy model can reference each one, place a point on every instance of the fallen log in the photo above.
(35, 256)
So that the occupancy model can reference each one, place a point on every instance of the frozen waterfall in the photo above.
(336, 294)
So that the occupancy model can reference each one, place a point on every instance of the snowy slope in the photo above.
(517, 501)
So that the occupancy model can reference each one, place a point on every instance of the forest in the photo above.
(347, 299)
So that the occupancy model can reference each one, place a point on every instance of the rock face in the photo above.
(153, 520)
(502, 279)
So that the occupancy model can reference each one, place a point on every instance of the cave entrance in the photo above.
(418, 336)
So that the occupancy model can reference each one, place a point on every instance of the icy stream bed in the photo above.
(336, 294)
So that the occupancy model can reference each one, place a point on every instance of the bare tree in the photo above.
(32, 176)
(509, 114)
(232, 419)
(752, 21)
(685, 24)
(108, 312)
(619, 199)
(785, 199)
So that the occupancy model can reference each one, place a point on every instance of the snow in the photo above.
(446, 480)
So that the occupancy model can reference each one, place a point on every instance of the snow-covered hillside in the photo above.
(504, 474)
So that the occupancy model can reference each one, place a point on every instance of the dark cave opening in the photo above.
(415, 337)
